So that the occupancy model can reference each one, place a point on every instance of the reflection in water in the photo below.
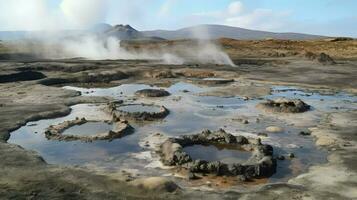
(88, 129)
(216, 153)
(139, 108)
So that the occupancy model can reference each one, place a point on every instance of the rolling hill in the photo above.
(221, 31)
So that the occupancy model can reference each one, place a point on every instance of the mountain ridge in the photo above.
(215, 31)
(204, 31)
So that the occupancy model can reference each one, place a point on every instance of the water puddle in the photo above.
(139, 108)
(225, 154)
(89, 129)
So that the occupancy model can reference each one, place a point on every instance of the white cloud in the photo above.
(166, 7)
(40, 15)
(236, 15)
(264, 19)
(27, 15)
(235, 8)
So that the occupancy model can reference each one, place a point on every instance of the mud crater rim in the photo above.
(135, 111)
(56, 132)
(152, 93)
(284, 105)
(260, 164)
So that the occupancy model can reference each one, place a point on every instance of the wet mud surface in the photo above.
(191, 113)
(306, 144)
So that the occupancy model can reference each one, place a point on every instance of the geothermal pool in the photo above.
(217, 153)
(190, 113)
(89, 129)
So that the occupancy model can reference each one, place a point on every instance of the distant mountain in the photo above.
(102, 30)
(123, 32)
(220, 31)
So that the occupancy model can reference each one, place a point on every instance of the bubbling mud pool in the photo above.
(190, 113)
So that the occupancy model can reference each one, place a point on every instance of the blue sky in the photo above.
(327, 17)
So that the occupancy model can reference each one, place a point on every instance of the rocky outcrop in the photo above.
(322, 58)
(260, 164)
(283, 105)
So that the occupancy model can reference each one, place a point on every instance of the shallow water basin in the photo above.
(225, 154)
(88, 129)
(139, 108)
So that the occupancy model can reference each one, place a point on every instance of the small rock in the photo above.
(263, 134)
(325, 141)
(284, 105)
(281, 157)
(291, 155)
(245, 121)
(242, 178)
(208, 183)
(192, 176)
(305, 133)
(274, 129)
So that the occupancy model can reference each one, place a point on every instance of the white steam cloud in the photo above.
(93, 48)
(84, 12)
(209, 52)
(40, 15)
(53, 42)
